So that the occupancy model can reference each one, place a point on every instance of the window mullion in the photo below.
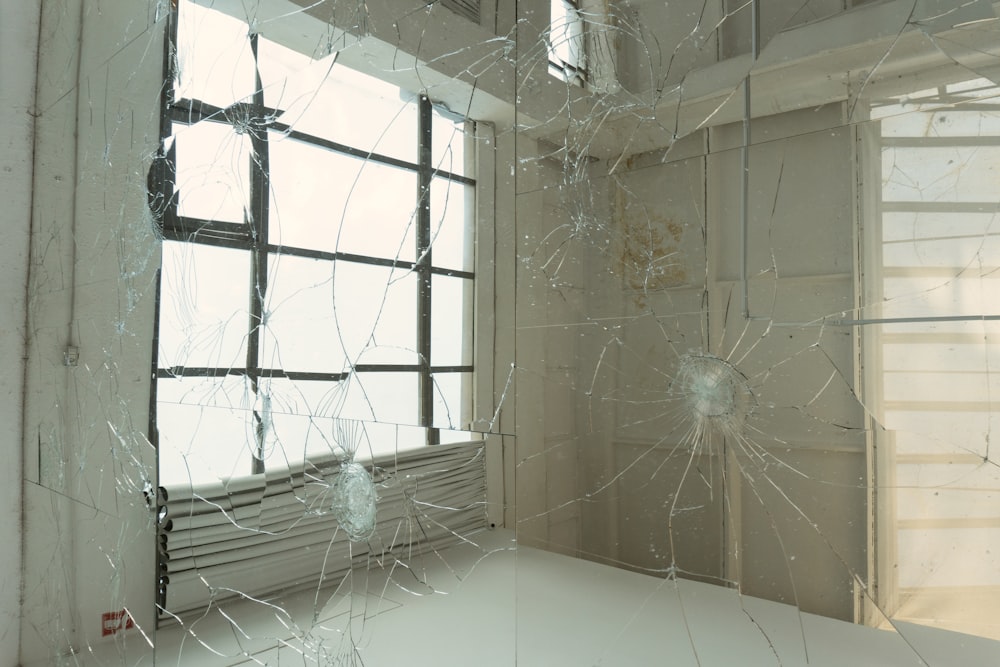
(423, 269)
(258, 225)
(164, 171)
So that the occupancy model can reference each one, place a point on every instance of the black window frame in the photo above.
(258, 120)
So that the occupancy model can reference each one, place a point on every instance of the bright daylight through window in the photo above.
(314, 321)
(566, 45)
(930, 347)
(317, 260)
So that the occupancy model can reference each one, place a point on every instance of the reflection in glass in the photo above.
(213, 168)
(325, 99)
(198, 326)
(208, 439)
(451, 222)
(334, 202)
(214, 59)
(931, 351)
(448, 149)
(449, 328)
(736, 354)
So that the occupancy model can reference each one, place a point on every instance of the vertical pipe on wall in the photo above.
(19, 33)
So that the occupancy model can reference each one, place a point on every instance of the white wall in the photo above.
(664, 280)
(659, 43)
(93, 257)
(18, 52)
(774, 17)
(551, 303)
(801, 263)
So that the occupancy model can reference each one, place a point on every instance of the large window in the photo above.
(317, 256)
(931, 344)
(567, 52)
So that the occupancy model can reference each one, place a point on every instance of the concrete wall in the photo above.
(93, 257)
(551, 303)
(779, 509)
(803, 519)
(18, 52)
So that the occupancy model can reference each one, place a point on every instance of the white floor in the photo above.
(494, 605)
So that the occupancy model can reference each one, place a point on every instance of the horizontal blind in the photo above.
(275, 533)
(466, 8)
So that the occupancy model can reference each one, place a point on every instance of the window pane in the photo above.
(205, 428)
(931, 382)
(344, 438)
(451, 405)
(566, 34)
(215, 63)
(213, 171)
(936, 296)
(301, 424)
(334, 102)
(324, 316)
(309, 437)
(935, 254)
(911, 226)
(204, 295)
(558, 49)
(382, 440)
(296, 437)
(451, 303)
(333, 202)
(297, 424)
(314, 398)
(376, 312)
(301, 332)
(449, 437)
(448, 144)
(928, 174)
(452, 205)
(384, 397)
(409, 437)
(281, 71)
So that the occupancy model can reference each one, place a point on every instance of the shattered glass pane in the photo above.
(355, 216)
(477, 332)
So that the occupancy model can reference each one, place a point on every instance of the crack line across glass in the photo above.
(298, 268)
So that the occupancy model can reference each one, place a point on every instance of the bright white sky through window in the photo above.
(318, 315)
(567, 57)
(935, 382)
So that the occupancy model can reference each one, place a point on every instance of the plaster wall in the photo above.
(19, 47)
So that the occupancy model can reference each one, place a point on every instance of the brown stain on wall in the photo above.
(648, 255)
